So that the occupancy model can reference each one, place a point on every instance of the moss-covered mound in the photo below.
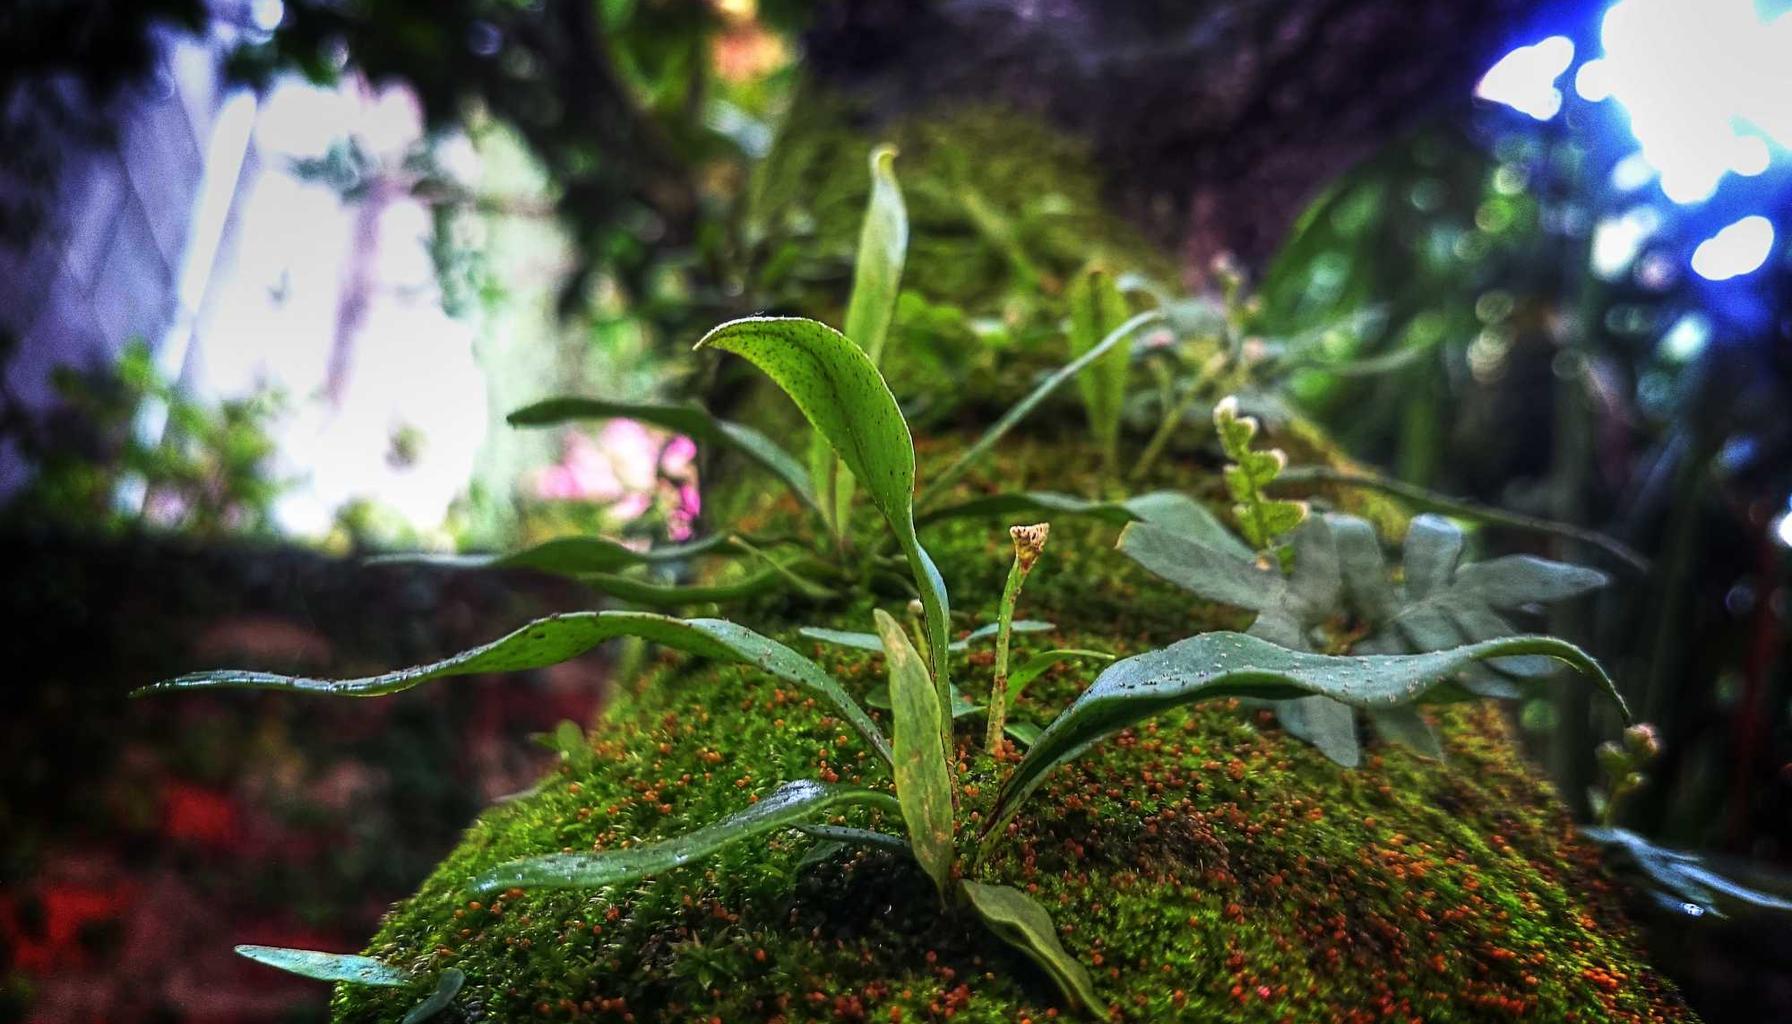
(1205, 866)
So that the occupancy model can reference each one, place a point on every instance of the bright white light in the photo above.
(1686, 339)
(267, 14)
(1525, 79)
(1591, 82)
(1618, 240)
(1701, 82)
(1782, 530)
(1738, 249)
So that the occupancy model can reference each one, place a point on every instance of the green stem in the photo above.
(998, 692)
(1174, 417)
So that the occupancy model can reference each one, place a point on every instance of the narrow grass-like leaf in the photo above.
(1020, 921)
(558, 638)
(565, 556)
(1096, 308)
(789, 804)
(1684, 880)
(1021, 409)
(843, 396)
(870, 642)
(1040, 663)
(689, 420)
(1216, 575)
(649, 594)
(447, 987)
(319, 966)
(923, 779)
(856, 837)
(1214, 665)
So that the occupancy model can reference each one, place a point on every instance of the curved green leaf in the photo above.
(787, 805)
(564, 556)
(558, 638)
(923, 779)
(1214, 665)
(877, 277)
(844, 398)
(345, 967)
(1039, 663)
(1174, 511)
(1021, 409)
(870, 642)
(447, 987)
(695, 423)
(1022, 923)
(856, 837)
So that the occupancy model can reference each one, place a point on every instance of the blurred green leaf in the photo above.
(923, 779)
(1022, 923)
(345, 967)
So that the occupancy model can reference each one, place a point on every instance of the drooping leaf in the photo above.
(1021, 409)
(565, 556)
(1040, 663)
(856, 837)
(787, 805)
(695, 423)
(319, 966)
(870, 642)
(559, 638)
(923, 777)
(846, 400)
(447, 987)
(1096, 308)
(1174, 511)
(877, 278)
(650, 594)
(1020, 921)
(1214, 665)
(1685, 881)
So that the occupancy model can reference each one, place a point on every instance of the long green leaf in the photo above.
(1025, 406)
(1022, 923)
(1039, 663)
(1214, 665)
(843, 396)
(870, 641)
(689, 420)
(877, 278)
(447, 987)
(1174, 511)
(558, 638)
(564, 556)
(319, 966)
(1096, 308)
(787, 805)
(923, 779)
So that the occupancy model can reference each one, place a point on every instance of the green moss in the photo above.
(1204, 866)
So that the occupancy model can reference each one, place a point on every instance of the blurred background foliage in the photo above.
(1493, 298)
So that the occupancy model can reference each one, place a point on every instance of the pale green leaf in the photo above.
(1214, 665)
(923, 777)
(883, 247)
(1433, 546)
(1405, 726)
(1172, 510)
(695, 423)
(345, 967)
(789, 804)
(1020, 921)
(870, 642)
(1216, 575)
(844, 398)
(559, 638)
(447, 987)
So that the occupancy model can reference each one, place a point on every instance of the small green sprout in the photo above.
(1029, 542)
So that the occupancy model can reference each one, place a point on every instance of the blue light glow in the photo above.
(1738, 249)
(1525, 79)
(1704, 85)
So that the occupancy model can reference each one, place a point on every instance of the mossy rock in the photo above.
(1205, 866)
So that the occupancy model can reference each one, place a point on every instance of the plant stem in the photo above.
(1174, 417)
(1029, 541)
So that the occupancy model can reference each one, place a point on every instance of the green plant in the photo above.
(840, 392)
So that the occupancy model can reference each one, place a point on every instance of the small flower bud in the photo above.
(1029, 542)
(916, 608)
(1612, 760)
(1641, 740)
